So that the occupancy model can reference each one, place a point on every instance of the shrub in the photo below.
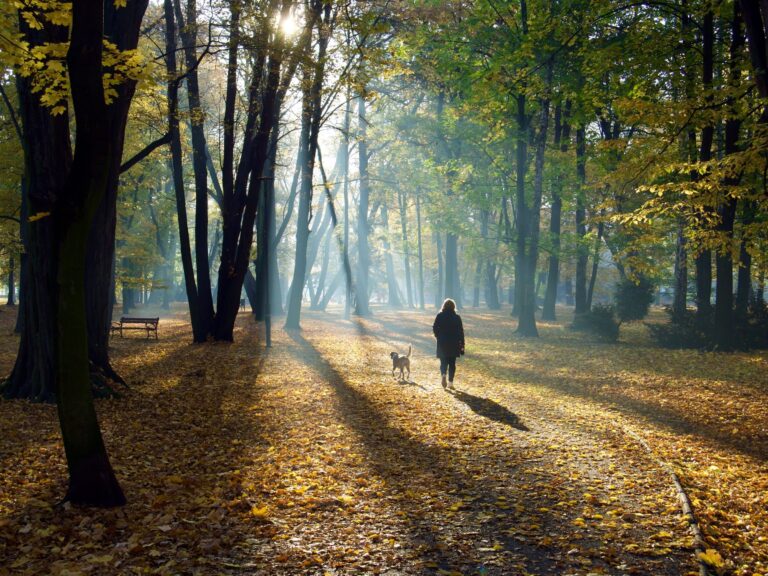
(633, 299)
(684, 330)
(600, 321)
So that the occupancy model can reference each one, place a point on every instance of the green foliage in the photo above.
(684, 330)
(600, 321)
(633, 298)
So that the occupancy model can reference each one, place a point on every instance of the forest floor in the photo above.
(552, 457)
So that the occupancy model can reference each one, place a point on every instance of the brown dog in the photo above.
(401, 363)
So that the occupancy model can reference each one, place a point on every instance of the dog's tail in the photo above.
(409, 351)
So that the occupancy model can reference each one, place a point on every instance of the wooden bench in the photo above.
(136, 323)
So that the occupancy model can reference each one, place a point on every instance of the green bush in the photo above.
(633, 299)
(600, 321)
(684, 330)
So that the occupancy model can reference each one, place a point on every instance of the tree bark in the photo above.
(562, 137)
(403, 202)
(121, 27)
(91, 479)
(582, 253)
(704, 258)
(725, 320)
(527, 322)
(188, 33)
(312, 111)
(421, 253)
(198, 334)
(362, 307)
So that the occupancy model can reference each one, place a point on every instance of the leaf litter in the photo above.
(309, 458)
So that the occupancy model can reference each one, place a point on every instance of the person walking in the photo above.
(449, 332)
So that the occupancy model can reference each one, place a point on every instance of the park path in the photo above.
(368, 474)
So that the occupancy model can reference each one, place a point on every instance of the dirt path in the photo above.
(405, 478)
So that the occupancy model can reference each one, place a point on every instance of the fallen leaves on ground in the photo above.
(309, 458)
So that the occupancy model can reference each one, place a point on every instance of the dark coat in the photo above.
(449, 332)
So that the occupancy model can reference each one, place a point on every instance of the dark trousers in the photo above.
(448, 365)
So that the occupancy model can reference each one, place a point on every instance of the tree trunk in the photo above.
(582, 253)
(311, 112)
(725, 321)
(393, 291)
(363, 258)
(562, 136)
(11, 281)
(744, 289)
(91, 479)
(402, 201)
(595, 260)
(121, 27)
(198, 334)
(439, 293)
(680, 302)
(527, 321)
(188, 33)
(421, 254)
(704, 258)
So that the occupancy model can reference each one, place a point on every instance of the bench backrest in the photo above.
(129, 319)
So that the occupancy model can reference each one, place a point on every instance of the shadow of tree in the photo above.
(489, 409)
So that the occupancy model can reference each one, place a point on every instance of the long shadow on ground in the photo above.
(487, 408)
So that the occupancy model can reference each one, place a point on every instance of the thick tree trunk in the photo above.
(121, 27)
(47, 156)
(91, 479)
(725, 320)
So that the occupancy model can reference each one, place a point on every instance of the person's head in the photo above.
(448, 306)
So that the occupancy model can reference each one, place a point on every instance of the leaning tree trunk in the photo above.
(91, 479)
(121, 27)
